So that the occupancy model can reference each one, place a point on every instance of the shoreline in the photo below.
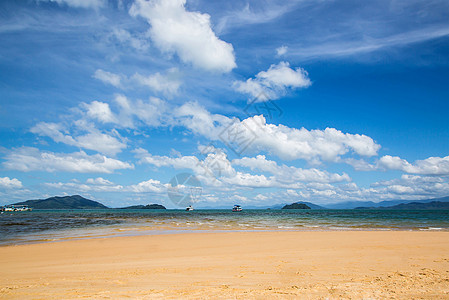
(119, 232)
(283, 264)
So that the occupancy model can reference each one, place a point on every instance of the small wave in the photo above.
(431, 228)
(341, 228)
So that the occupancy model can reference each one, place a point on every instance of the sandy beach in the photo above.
(232, 265)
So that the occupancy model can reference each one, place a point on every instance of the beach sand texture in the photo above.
(232, 265)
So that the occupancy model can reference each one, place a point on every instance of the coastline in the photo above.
(282, 264)
(61, 225)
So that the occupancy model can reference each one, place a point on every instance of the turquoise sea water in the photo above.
(54, 225)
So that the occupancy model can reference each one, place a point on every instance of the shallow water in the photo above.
(54, 225)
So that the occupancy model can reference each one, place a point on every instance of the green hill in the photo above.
(296, 206)
(417, 205)
(66, 202)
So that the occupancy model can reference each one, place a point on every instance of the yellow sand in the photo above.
(242, 265)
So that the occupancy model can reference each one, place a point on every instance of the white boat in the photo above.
(16, 208)
(237, 208)
(188, 208)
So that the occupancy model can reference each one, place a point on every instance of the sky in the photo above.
(261, 102)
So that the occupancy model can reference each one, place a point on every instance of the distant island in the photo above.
(66, 202)
(148, 206)
(414, 205)
(296, 206)
(76, 202)
(387, 203)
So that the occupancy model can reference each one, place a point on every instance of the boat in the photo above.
(237, 208)
(189, 208)
(16, 208)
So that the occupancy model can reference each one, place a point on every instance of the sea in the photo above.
(39, 226)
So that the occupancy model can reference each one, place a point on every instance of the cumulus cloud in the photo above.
(407, 187)
(28, 159)
(188, 34)
(280, 140)
(80, 3)
(92, 140)
(83, 133)
(107, 77)
(274, 82)
(360, 164)
(216, 169)
(99, 111)
(99, 181)
(213, 165)
(103, 185)
(412, 185)
(7, 183)
(168, 84)
(288, 174)
(429, 166)
(149, 186)
(249, 180)
(128, 113)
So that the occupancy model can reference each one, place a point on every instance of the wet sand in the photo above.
(229, 265)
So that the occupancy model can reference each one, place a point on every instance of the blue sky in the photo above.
(264, 102)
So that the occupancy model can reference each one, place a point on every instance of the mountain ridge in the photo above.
(63, 202)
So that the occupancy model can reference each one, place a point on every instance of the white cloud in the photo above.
(412, 186)
(93, 140)
(152, 112)
(249, 180)
(103, 185)
(199, 120)
(79, 3)
(312, 145)
(28, 159)
(429, 166)
(92, 185)
(123, 36)
(53, 131)
(101, 142)
(83, 133)
(214, 165)
(274, 82)
(215, 169)
(149, 186)
(325, 49)
(107, 77)
(281, 50)
(285, 142)
(99, 181)
(360, 164)
(263, 12)
(99, 111)
(7, 183)
(167, 84)
(299, 184)
(188, 34)
(288, 174)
